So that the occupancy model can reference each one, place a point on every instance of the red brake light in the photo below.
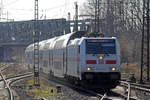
(111, 62)
(91, 62)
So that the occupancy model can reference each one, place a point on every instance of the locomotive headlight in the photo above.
(101, 57)
(88, 68)
(113, 68)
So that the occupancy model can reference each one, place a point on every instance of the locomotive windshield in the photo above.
(103, 46)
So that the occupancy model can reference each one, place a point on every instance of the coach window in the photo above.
(45, 63)
(59, 44)
(41, 56)
(46, 46)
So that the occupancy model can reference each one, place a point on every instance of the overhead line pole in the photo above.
(145, 43)
(95, 28)
(36, 45)
(76, 17)
(148, 40)
(98, 18)
(142, 44)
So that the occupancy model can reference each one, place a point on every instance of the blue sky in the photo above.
(24, 9)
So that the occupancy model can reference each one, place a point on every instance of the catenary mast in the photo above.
(36, 45)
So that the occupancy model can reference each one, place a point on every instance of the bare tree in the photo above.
(120, 18)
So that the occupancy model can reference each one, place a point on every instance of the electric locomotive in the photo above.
(82, 60)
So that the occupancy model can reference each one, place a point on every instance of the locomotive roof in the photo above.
(100, 37)
(65, 39)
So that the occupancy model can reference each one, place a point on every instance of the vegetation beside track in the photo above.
(44, 91)
(129, 70)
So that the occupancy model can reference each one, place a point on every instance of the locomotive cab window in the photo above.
(103, 46)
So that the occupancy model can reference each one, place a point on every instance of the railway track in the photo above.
(109, 95)
(4, 66)
(101, 95)
(9, 80)
(7, 87)
(136, 87)
(127, 84)
(78, 88)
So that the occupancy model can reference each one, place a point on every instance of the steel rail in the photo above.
(65, 83)
(12, 80)
(136, 87)
(19, 75)
(129, 88)
(139, 86)
(103, 97)
(8, 88)
(9, 80)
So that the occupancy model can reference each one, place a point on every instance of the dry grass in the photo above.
(131, 68)
(44, 91)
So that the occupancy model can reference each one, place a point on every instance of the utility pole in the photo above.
(76, 18)
(98, 17)
(36, 45)
(145, 43)
(148, 40)
(95, 28)
(69, 18)
(97, 25)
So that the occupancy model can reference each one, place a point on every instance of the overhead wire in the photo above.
(65, 5)
(20, 9)
(47, 9)
(64, 8)
(13, 2)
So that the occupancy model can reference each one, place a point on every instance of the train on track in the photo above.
(92, 61)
